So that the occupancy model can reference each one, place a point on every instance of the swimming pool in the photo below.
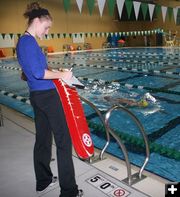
(120, 73)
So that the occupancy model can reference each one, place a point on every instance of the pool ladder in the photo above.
(131, 179)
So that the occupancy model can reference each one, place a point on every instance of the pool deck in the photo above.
(17, 175)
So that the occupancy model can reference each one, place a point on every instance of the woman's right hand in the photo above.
(66, 74)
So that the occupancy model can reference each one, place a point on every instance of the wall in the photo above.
(12, 21)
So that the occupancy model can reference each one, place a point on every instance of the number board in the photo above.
(107, 186)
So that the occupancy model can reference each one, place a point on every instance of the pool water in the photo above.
(121, 73)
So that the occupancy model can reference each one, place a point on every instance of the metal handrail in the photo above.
(142, 132)
(121, 144)
(103, 122)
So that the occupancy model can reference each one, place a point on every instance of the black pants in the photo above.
(49, 117)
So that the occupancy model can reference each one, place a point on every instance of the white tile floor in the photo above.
(17, 174)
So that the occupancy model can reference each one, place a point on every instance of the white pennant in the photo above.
(136, 8)
(79, 3)
(120, 5)
(164, 10)
(151, 10)
(175, 11)
(101, 4)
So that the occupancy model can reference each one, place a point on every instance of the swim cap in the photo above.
(143, 103)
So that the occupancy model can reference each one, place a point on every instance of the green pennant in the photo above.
(66, 5)
(3, 35)
(11, 35)
(70, 35)
(64, 35)
(58, 35)
(111, 5)
(52, 36)
(18, 35)
(157, 10)
(144, 8)
(129, 5)
(170, 12)
(90, 4)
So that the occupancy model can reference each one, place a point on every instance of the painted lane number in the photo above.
(107, 186)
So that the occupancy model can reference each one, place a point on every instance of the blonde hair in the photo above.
(34, 10)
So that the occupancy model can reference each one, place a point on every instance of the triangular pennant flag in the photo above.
(11, 35)
(61, 35)
(164, 11)
(18, 35)
(70, 35)
(64, 35)
(111, 5)
(129, 5)
(136, 8)
(86, 34)
(58, 35)
(52, 36)
(170, 12)
(3, 35)
(66, 5)
(175, 11)
(101, 4)
(151, 10)
(157, 10)
(79, 3)
(90, 4)
(144, 8)
(120, 5)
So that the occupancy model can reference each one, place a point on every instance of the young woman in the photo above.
(48, 111)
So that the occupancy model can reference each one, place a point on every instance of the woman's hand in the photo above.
(66, 74)
(56, 74)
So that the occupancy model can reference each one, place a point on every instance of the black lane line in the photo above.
(171, 85)
(168, 127)
(169, 68)
(170, 101)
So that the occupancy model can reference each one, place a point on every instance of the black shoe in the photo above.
(80, 193)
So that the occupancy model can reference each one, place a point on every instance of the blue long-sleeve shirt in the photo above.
(33, 63)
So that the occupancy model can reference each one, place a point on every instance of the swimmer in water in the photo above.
(127, 102)
(132, 102)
